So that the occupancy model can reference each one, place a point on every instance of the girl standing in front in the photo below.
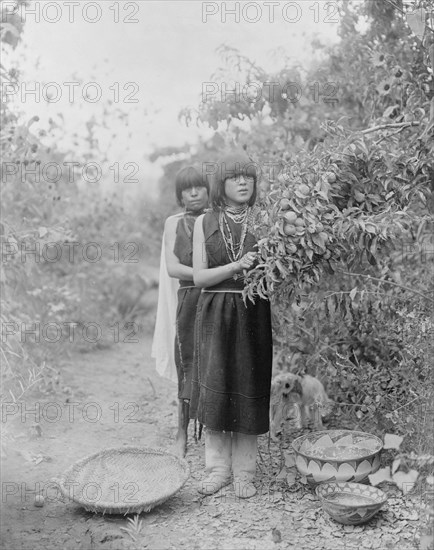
(192, 194)
(233, 354)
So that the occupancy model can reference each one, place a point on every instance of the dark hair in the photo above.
(187, 178)
(231, 166)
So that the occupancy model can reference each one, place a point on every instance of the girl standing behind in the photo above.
(233, 355)
(192, 194)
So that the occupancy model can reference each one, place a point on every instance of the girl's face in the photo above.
(195, 199)
(239, 190)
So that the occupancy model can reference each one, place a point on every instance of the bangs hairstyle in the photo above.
(232, 166)
(187, 178)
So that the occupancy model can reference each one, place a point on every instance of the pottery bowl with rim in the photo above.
(350, 503)
(337, 456)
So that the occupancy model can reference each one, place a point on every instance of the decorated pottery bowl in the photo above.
(337, 455)
(350, 503)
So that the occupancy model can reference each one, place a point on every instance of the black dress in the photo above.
(188, 296)
(233, 348)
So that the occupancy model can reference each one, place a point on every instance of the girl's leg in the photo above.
(183, 419)
(244, 449)
(217, 461)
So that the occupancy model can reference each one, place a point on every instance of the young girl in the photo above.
(192, 194)
(233, 355)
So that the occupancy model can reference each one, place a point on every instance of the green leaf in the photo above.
(328, 268)
(417, 22)
(290, 478)
(383, 474)
(289, 460)
(281, 268)
(392, 441)
(282, 474)
(395, 465)
(371, 258)
(373, 247)
(406, 480)
(319, 240)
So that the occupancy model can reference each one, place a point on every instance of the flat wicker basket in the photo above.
(124, 480)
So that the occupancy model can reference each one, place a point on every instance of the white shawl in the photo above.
(163, 343)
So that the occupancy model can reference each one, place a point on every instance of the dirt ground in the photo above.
(137, 407)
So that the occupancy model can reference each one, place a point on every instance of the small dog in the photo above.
(296, 397)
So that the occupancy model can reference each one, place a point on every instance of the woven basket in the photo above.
(124, 480)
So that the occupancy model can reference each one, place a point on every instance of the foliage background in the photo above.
(352, 287)
(352, 290)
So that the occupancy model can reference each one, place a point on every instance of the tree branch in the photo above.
(388, 283)
(388, 136)
(395, 6)
(401, 125)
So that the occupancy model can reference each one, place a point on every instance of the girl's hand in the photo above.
(247, 260)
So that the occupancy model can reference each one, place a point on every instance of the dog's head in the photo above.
(286, 394)
(285, 385)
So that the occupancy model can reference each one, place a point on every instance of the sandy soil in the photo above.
(137, 407)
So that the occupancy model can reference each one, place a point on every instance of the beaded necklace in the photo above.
(237, 213)
(234, 250)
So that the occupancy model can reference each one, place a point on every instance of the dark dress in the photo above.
(233, 349)
(188, 296)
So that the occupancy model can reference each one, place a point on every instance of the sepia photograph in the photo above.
(217, 274)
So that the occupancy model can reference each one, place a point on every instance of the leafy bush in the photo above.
(347, 201)
(50, 281)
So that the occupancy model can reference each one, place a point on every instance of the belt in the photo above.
(226, 290)
(186, 284)
(228, 285)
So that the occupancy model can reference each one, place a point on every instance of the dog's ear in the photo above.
(297, 388)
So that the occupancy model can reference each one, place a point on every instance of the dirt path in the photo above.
(114, 397)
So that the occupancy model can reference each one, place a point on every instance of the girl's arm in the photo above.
(175, 268)
(204, 276)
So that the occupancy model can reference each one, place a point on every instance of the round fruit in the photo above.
(39, 501)
(289, 229)
(353, 150)
(360, 197)
(304, 189)
(331, 177)
(290, 217)
(283, 178)
(292, 249)
(285, 204)
(299, 222)
(324, 237)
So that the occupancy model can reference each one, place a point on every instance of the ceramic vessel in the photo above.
(337, 455)
(350, 503)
